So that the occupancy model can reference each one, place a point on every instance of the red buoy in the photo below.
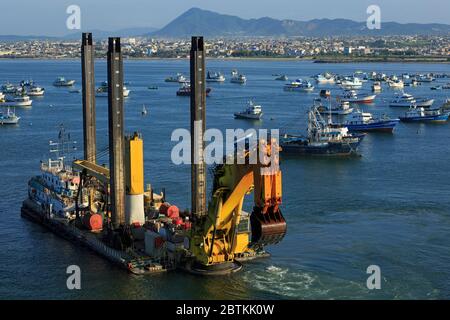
(93, 221)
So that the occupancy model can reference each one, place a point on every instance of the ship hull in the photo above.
(35, 213)
(439, 118)
(382, 126)
(328, 149)
(247, 117)
(368, 99)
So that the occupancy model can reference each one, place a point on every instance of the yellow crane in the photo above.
(223, 237)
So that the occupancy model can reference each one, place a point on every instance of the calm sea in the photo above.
(390, 207)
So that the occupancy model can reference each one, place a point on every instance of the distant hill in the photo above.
(98, 34)
(196, 21)
(213, 24)
(101, 34)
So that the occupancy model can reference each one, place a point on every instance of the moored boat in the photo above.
(17, 101)
(351, 83)
(322, 139)
(35, 91)
(63, 82)
(376, 87)
(417, 114)
(396, 84)
(102, 91)
(185, 90)
(365, 122)
(179, 78)
(299, 85)
(341, 108)
(252, 112)
(215, 77)
(8, 117)
(352, 97)
(324, 78)
(240, 78)
(282, 78)
(404, 100)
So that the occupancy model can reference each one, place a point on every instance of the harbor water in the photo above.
(389, 207)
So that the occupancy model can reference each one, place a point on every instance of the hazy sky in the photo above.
(48, 17)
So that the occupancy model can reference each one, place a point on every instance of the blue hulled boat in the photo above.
(416, 114)
(365, 122)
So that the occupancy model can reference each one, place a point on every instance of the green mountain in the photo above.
(212, 24)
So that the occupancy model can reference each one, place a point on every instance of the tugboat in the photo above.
(365, 122)
(322, 139)
(352, 97)
(253, 112)
(185, 90)
(215, 77)
(62, 82)
(8, 117)
(180, 78)
(418, 114)
(299, 85)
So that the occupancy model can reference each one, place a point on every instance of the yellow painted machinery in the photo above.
(227, 234)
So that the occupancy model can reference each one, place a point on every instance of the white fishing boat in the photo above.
(351, 83)
(342, 108)
(35, 91)
(352, 97)
(404, 100)
(416, 114)
(324, 78)
(179, 78)
(17, 101)
(102, 91)
(252, 112)
(215, 77)
(8, 117)
(2, 97)
(8, 88)
(299, 85)
(376, 87)
(396, 84)
(63, 82)
(240, 78)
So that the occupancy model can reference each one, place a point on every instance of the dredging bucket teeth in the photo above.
(267, 228)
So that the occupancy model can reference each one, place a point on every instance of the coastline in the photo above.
(435, 60)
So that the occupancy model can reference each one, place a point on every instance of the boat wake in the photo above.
(282, 282)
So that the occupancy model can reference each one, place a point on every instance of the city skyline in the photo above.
(49, 18)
